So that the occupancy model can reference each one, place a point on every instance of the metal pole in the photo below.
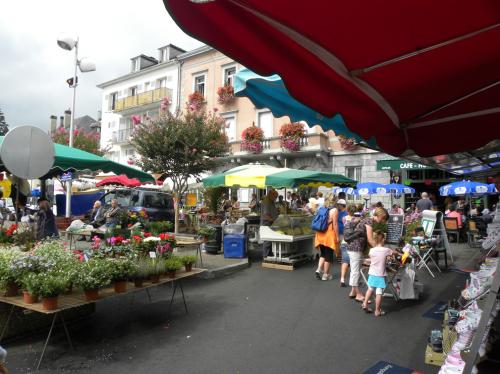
(71, 124)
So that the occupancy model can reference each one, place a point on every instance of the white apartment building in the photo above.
(140, 92)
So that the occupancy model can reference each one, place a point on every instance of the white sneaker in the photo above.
(326, 277)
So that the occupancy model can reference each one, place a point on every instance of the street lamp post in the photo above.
(85, 66)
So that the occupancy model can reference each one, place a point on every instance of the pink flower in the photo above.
(136, 119)
(216, 110)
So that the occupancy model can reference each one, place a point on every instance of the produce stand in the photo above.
(77, 299)
(291, 237)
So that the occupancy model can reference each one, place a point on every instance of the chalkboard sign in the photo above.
(395, 225)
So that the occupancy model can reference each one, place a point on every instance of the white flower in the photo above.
(152, 239)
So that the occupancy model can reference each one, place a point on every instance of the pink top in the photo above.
(457, 215)
(378, 256)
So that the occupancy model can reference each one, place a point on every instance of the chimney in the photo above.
(67, 118)
(61, 121)
(53, 123)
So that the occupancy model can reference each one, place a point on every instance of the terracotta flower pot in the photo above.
(120, 286)
(29, 298)
(138, 282)
(12, 289)
(155, 278)
(188, 267)
(171, 274)
(50, 303)
(91, 295)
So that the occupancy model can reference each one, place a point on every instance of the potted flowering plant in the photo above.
(251, 139)
(157, 227)
(7, 235)
(195, 101)
(188, 262)
(51, 284)
(206, 232)
(290, 134)
(10, 272)
(172, 265)
(91, 276)
(347, 144)
(225, 94)
(121, 269)
(156, 269)
(31, 287)
(142, 271)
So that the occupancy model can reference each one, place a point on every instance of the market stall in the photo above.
(290, 234)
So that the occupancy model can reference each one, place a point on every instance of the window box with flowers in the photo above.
(290, 134)
(225, 94)
(195, 101)
(251, 139)
(347, 144)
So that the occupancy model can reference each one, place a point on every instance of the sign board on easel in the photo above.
(395, 225)
(432, 223)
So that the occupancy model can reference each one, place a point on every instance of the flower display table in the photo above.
(77, 299)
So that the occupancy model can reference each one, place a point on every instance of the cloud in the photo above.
(34, 69)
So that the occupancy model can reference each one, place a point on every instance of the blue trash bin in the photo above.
(235, 246)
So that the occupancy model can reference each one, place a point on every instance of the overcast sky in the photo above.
(34, 69)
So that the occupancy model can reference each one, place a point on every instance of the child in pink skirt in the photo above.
(376, 275)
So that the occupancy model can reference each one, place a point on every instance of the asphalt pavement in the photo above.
(253, 321)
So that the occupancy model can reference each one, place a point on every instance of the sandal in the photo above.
(362, 300)
(381, 313)
(366, 309)
(352, 296)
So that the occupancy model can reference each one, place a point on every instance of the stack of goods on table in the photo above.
(452, 347)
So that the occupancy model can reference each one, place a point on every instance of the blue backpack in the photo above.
(320, 220)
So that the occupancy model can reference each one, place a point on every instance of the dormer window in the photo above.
(136, 64)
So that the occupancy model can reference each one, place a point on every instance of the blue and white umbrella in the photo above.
(346, 190)
(464, 188)
(492, 189)
(371, 188)
(399, 189)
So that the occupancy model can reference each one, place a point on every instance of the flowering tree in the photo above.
(290, 134)
(251, 139)
(180, 146)
(86, 141)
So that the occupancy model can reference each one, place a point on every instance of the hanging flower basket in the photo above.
(251, 139)
(290, 134)
(225, 94)
(195, 101)
(347, 144)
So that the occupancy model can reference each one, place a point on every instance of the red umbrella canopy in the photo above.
(421, 76)
(121, 180)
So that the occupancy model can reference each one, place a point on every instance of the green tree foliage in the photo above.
(86, 141)
(180, 146)
(4, 127)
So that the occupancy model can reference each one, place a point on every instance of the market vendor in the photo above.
(112, 214)
(268, 213)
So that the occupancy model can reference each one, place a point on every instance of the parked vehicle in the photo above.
(158, 205)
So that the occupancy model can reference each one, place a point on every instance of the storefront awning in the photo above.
(399, 165)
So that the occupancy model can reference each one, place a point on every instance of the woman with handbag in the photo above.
(363, 235)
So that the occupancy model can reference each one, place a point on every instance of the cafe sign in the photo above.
(399, 165)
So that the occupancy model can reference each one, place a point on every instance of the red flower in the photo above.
(137, 239)
(129, 225)
(147, 234)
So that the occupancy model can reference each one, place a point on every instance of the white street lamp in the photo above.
(68, 43)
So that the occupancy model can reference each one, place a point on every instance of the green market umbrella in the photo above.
(261, 176)
(74, 159)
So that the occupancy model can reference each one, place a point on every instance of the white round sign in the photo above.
(27, 152)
